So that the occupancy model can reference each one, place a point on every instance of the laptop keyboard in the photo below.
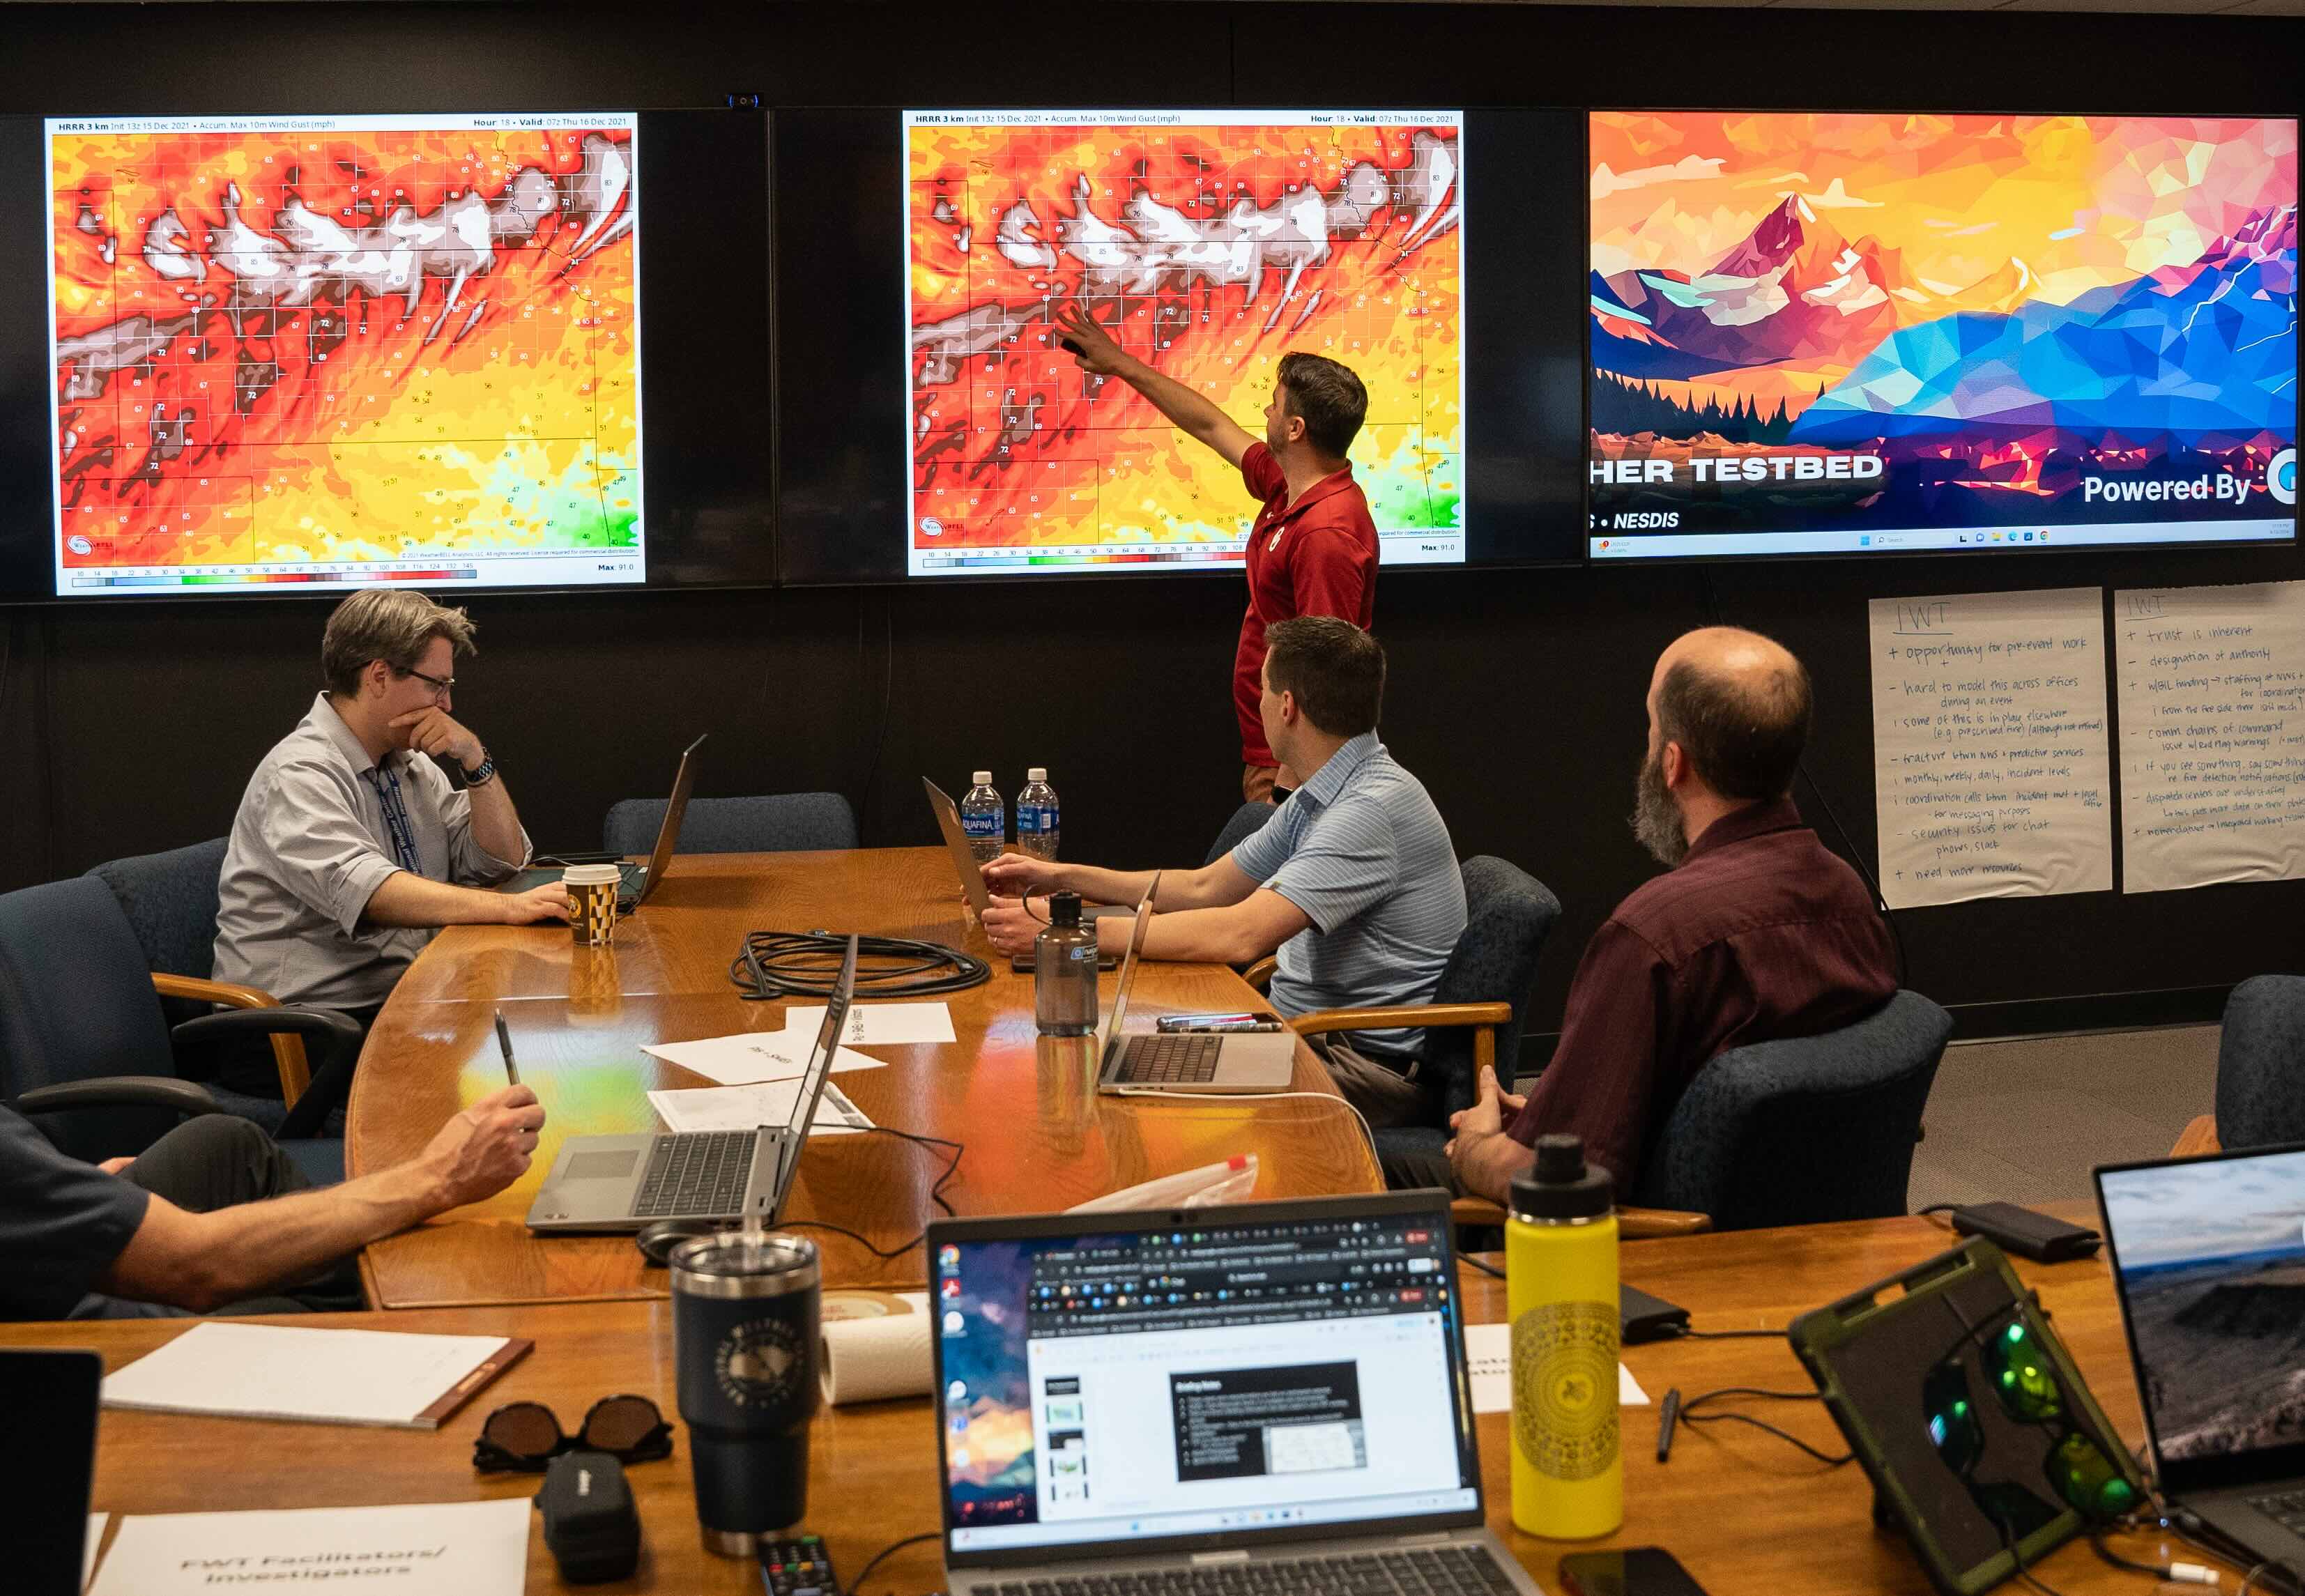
(2286, 1510)
(699, 1174)
(1178, 1058)
(1437, 1571)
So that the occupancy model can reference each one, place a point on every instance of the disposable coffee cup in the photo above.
(746, 1325)
(592, 902)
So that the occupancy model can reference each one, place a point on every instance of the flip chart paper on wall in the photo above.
(1990, 751)
(2212, 734)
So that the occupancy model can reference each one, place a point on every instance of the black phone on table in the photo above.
(1636, 1571)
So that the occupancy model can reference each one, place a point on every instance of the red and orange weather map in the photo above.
(1209, 251)
(342, 349)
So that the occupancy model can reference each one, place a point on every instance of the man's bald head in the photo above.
(1738, 705)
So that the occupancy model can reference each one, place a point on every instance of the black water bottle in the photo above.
(1064, 970)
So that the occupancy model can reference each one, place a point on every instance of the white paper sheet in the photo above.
(278, 1372)
(1990, 750)
(443, 1549)
(757, 1056)
(1488, 1357)
(95, 1523)
(2212, 734)
(878, 1024)
(746, 1107)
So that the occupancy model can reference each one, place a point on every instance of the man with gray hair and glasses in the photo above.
(349, 851)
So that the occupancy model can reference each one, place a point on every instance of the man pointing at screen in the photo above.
(1314, 548)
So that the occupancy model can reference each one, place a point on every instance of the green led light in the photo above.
(2008, 1376)
(2016, 1332)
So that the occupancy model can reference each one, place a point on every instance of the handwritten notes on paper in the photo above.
(1989, 745)
(2212, 734)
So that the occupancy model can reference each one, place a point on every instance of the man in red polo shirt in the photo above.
(1314, 548)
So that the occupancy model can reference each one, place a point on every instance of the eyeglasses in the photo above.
(522, 1437)
(441, 686)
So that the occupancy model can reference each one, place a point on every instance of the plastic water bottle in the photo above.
(1036, 816)
(1561, 1284)
(984, 820)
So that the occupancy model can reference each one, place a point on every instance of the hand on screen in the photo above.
(547, 902)
(1091, 344)
(433, 731)
(1013, 875)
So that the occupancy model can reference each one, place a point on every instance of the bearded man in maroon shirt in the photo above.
(1314, 548)
(1755, 933)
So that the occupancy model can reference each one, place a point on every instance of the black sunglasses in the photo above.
(524, 1437)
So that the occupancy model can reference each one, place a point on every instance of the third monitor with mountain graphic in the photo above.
(1825, 333)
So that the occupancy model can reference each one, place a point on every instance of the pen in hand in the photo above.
(504, 1046)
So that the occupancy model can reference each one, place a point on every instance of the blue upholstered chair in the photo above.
(85, 1048)
(1475, 1018)
(1805, 1130)
(1247, 821)
(783, 823)
(2261, 1063)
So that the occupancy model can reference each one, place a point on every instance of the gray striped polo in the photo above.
(1361, 850)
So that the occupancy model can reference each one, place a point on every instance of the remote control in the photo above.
(797, 1565)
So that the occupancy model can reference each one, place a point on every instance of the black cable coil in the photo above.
(779, 964)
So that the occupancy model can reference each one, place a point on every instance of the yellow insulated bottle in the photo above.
(1561, 1284)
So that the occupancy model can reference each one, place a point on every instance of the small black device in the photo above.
(590, 1526)
(1072, 345)
(1641, 1317)
(2025, 1233)
(1636, 1571)
(798, 1566)
(1022, 962)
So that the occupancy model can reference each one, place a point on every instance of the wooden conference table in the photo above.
(1748, 1515)
(1036, 1134)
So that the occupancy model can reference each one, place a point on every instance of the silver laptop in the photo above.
(2208, 1255)
(1186, 1060)
(1115, 1413)
(634, 882)
(628, 1183)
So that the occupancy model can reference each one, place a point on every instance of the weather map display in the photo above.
(1822, 332)
(339, 350)
(1210, 243)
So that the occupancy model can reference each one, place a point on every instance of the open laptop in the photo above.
(53, 1396)
(2209, 1256)
(1114, 1411)
(635, 881)
(628, 1183)
(1185, 1060)
(964, 858)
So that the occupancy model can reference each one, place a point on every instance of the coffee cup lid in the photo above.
(590, 874)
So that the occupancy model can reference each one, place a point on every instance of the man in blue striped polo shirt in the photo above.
(1353, 881)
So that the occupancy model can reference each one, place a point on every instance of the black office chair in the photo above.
(779, 823)
(2261, 1063)
(1474, 1019)
(1247, 821)
(84, 1046)
(1803, 1131)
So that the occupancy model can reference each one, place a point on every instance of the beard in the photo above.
(1656, 818)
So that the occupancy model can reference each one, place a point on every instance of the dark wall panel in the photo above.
(1516, 695)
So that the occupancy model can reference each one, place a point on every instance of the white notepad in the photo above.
(394, 1378)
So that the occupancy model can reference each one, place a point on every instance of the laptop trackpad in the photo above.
(601, 1164)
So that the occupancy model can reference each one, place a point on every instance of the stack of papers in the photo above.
(744, 1108)
(442, 1549)
(756, 1055)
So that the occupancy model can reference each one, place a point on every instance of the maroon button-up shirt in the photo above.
(1760, 934)
(1316, 556)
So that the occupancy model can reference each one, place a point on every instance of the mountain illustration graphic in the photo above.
(2200, 355)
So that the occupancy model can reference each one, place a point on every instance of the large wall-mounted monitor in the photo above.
(1847, 333)
(941, 432)
(299, 353)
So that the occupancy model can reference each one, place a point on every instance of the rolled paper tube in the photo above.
(870, 1360)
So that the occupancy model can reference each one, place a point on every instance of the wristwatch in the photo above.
(482, 773)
